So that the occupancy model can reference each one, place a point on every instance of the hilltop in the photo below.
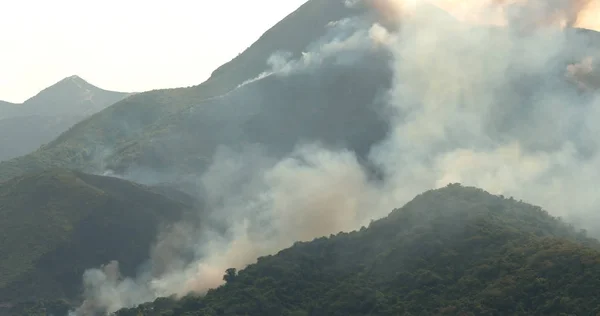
(453, 251)
(58, 223)
(37, 121)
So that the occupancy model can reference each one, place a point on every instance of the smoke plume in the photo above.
(525, 14)
(584, 74)
(485, 106)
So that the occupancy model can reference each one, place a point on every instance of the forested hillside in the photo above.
(58, 223)
(452, 251)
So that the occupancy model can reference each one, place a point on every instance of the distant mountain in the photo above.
(57, 223)
(452, 251)
(71, 96)
(37, 121)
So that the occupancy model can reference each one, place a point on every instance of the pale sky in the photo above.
(125, 45)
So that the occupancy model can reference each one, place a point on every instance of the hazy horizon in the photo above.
(175, 44)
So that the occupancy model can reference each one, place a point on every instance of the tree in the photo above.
(230, 275)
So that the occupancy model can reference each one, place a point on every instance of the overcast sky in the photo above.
(125, 45)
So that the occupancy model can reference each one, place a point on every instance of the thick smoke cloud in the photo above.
(109, 291)
(500, 116)
(262, 207)
(525, 14)
(492, 107)
(584, 74)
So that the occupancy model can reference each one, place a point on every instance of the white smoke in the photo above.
(109, 291)
(314, 192)
(346, 39)
(456, 114)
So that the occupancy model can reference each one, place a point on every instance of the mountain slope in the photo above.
(21, 135)
(135, 119)
(336, 103)
(40, 119)
(452, 251)
(341, 111)
(6, 109)
(58, 217)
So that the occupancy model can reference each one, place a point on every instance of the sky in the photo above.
(125, 45)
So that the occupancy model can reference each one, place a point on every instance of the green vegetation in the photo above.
(38, 308)
(453, 251)
(57, 223)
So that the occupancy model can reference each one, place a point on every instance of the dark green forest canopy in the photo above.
(452, 251)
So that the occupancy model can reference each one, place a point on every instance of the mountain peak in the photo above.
(71, 96)
(52, 111)
(75, 81)
(75, 78)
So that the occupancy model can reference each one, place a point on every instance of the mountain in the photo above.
(452, 251)
(37, 121)
(71, 96)
(339, 101)
(130, 127)
(7, 108)
(58, 223)
(6, 104)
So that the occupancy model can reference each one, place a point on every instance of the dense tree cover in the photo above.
(57, 223)
(453, 251)
(38, 308)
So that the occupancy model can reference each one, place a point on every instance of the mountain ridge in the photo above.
(76, 91)
(40, 119)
